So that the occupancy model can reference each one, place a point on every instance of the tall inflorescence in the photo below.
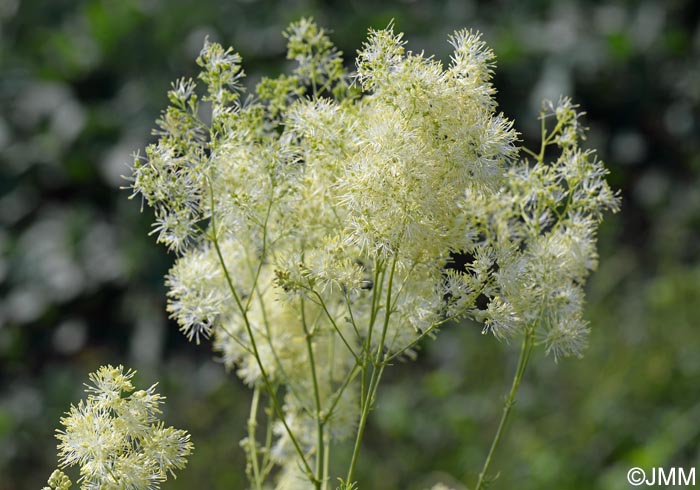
(315, 224)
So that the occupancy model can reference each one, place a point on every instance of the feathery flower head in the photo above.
(114, 435)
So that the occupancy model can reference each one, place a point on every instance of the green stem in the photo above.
(317, 398)
(369, 401)
(326, 467)
(351, 316)
(339, 393)
(267, 461)
(376, 293)
(367, 344)
(323, 306)
(385, 327)
(252, 443)
(525, 350)
(378, 366)
(258, 293)
(249, 329)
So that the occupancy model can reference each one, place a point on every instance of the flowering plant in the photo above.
(116, 438)
(317, 222)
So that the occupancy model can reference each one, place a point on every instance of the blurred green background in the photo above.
(81, 283)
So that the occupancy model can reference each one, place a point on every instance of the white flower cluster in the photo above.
(540, 232)
(317, 222)
(116, 438)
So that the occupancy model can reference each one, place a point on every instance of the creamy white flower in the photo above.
(115, 437)
(317, 224)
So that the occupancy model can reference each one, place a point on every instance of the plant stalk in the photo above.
(252, 442)
(369, 401)
(525, 350)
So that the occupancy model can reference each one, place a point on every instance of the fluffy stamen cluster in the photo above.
(539, 235)
(317, 222)
(114, 435)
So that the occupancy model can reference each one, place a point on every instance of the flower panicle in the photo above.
(114, 435)
(332, 220)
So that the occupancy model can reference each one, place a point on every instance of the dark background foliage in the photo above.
(81, 283)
